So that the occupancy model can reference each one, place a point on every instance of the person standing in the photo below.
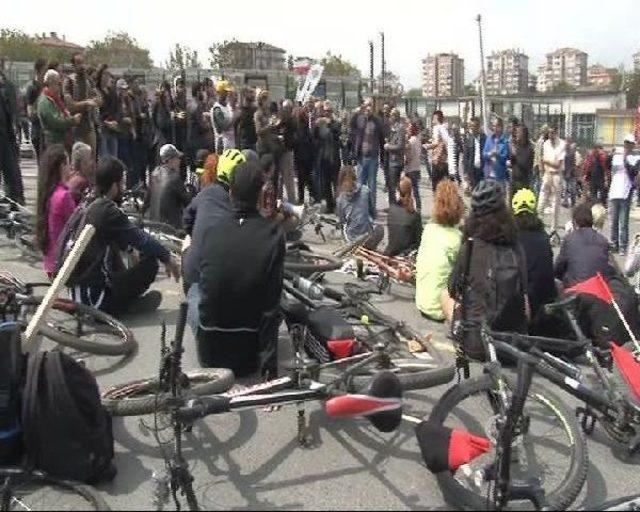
(394, 149)
(596, 174)
(126, 132)
(54, 117)
(437, 148)
(287, 132)
(303, 156)
(537, 158)
(142, 155)
(81, 97)
(109, 113)
(11, 174)
(265, 130)
(223, 118)
(181, 121)
(246, 125)
(369, 139)
(412, 162)
(521, 160)
(570, 177)
(472, 155)
(200, 135)
(33, 94)
(624, 170)
(553, 155)
(496, 154)
(385, 115)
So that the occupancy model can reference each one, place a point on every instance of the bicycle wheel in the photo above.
(84, 328)
(554, 436)
(303, 262)
(141, 397)
(39, 492)
(25, 242)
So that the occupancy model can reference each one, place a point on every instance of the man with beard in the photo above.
(81, 97)
(101, 280)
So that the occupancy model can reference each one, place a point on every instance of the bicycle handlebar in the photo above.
(560, 305)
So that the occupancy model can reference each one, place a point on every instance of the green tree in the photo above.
(119, 50)
(16, 45)
(470, 90)
(632, 87)
(290, 62)
(392, 85)
(335, 65)
(221, 54)
(182, 57)
(414, 93)
(563, 87)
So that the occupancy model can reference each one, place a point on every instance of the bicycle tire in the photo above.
(126, 343)
(211, 381)
(331, 263)
(351, 246)
(90, 500)
(26, 246)
(560, 498)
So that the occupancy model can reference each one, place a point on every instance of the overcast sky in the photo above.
(608, 31)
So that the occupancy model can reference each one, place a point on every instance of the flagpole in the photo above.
(625, 323)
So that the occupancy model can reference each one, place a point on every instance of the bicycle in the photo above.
(21, 489)
(19, 225)
(382, 406)
(70, 324)
(301, 259)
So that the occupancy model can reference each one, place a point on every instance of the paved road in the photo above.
(252, 460)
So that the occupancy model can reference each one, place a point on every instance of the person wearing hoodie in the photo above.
(355, 209)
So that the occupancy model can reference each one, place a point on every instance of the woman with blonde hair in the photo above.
(404, 223)
(438, 250)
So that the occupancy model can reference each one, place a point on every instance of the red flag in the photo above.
(595, 286)
(464, 447)
(629, 366)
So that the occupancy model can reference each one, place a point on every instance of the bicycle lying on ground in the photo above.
(382, 406)
(69, 323)
(19, 225)
(509, 427)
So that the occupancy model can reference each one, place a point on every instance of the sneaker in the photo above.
(148, 303)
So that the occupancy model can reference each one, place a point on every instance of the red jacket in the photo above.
(589, 164)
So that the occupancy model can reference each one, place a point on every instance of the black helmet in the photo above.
(487, 197)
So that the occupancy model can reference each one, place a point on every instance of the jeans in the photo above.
(125, 153)
(619, 209)
(108, 144)
(368, 175)
(414, 176)
(285, 166)
(598, 192)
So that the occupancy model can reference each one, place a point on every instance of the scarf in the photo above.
(57, 100)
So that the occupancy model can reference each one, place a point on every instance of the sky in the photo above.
(412, 30)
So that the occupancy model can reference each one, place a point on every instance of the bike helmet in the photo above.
(487, 197)
(524, 201)
(229, 160)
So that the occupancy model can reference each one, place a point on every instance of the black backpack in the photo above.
(67, 431)
(11, 375)
(93, 256)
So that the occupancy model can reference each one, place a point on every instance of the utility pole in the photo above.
(384, 67)
(371, 70)
(483, 81)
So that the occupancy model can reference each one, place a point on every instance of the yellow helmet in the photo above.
(523, 201)
(223, 86)
(227, 163)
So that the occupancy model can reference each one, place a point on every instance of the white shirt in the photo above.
(228, 137)
(620, 182)
(554, 154)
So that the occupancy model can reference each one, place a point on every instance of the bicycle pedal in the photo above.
(587, 420)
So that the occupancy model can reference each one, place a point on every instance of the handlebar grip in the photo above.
(202, 407)
(182, 322)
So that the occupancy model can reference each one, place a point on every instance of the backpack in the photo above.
(67, 431)
(11, 373)
(94, 254)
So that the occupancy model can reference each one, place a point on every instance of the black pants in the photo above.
(438, 173)
(127, 285)
(392, 182)
(305, 181)
(597, 192)
(11, 175)
(140, 150)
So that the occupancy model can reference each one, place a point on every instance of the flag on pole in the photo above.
(629, 366)
(596, 286)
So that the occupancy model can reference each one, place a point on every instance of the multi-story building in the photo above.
(565, 65)
(636, 62)
(507, 72)
(443, 75)
(57, 48)
(258, 55)
(600, 76)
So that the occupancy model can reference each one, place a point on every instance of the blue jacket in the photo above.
(497, 169)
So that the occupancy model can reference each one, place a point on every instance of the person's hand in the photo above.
(77, 118)
(173, 269)
(386, 147)
(112, 124)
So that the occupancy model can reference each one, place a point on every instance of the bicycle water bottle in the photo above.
(312, 290)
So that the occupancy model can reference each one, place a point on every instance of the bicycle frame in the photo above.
(398, 269)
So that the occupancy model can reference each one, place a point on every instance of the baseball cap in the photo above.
(122, 84)
(630, 138)
(169, 151)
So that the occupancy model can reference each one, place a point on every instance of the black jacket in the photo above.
(246, 128)
(208, 208)
(469, 155)
(584, 253)
(405, 230)
(358, 127)
(522, 165)
(166, 197)
(242, 266)
(541, 286)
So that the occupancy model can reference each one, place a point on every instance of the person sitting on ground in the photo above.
(404, 222)
(210, 206)
(235, 308)
(438, 250)
(55, 205)
(489, 279)
(355, 210)
(584, 252)
(83, 169)
(541, 287)
(104, 283)
(167, 196)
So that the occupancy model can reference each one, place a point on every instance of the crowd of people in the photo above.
(233, 170)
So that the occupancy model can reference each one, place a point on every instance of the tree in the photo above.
(16, 45)
(335, 65)
(119, 50)
(220, 54)
(470, 90)
(392, 85)
(632, 87)
(414, 93)
(182, 57)
(563, 87)
(290, 62)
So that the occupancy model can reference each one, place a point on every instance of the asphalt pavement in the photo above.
(252, 460)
